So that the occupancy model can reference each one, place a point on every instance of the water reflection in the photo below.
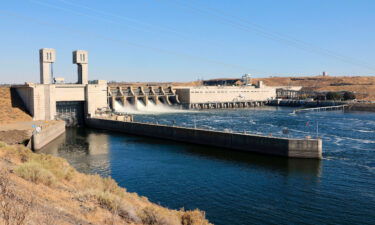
(88, 151)
(311, 167)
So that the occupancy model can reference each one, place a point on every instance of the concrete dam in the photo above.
(146, 95)
(92, 104)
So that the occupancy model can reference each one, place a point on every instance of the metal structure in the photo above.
(72, 112)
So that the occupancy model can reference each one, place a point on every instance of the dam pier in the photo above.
(286, 147)
(92, 104)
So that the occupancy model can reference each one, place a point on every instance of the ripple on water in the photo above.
(240, 188)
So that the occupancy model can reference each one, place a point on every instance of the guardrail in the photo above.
(318, 109)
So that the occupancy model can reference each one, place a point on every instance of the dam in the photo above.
(129, 95)
(92, 103)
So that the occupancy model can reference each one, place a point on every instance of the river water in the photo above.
(236, 187)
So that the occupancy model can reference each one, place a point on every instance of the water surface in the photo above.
(237, 187)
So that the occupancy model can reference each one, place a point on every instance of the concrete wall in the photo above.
(40, 99)
(369, 107)
(204, 94)
(39, 140)
(96, 97)
(70, 92)
(26, 94)
(299, 148)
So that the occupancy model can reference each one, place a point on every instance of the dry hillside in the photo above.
(364, 87)
(43, 189)
(11, 107)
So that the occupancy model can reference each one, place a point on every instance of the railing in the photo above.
(318, 109)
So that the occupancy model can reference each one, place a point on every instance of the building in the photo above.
(225, 96)
(222, 82)
(70, 102)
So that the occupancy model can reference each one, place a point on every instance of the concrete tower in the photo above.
(80, 57)
(47, 56)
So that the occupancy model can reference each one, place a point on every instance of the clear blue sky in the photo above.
(176, 40)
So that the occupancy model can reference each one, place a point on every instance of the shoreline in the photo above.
(46, 190)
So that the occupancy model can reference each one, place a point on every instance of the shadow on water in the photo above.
(283, 164)
(87, 143)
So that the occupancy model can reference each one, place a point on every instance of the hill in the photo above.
(11, 107)
(43, 189)
(364, 87)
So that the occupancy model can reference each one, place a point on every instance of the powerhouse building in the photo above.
(225, 96)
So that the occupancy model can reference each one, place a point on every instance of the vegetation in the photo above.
(349, 95)
(334, 96)
(363, 86)
(47, 190)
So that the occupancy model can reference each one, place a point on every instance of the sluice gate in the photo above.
(72, 112)
(129, 95)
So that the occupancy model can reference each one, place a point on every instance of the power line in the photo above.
(148, 27)
(121, 41)
(244, 25)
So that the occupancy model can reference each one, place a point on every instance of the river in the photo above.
(236, 188)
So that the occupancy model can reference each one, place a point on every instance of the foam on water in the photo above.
(225, 183)
(151, 108)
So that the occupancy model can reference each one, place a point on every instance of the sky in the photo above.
(179, 40)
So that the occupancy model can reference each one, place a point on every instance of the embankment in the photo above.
(287, 147)
(47, 134)
(368, 107)
(23, 132)
(43, 189)
(12, 108)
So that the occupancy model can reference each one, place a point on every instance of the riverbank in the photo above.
(368, 107)
(43, 189)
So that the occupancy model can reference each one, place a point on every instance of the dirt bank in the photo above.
(42, 189)
(11, 107)
(364, 87)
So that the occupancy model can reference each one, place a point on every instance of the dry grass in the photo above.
(84, 198)
(12, 213)
(364, 87)
(35, 172)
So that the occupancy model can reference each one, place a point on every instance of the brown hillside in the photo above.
(37, 189)
(11, 107)
(364, 87)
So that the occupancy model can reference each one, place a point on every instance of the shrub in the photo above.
(109, 201)
(35, 172)
(59, 167)
(334, 96)
(2, 144)
(110, 185)
(193, 217)
(149, 216)
(349, 95)
(16, 152)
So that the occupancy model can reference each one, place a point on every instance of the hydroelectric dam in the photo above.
(92, 104)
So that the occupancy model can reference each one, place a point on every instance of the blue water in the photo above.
(236, 187)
